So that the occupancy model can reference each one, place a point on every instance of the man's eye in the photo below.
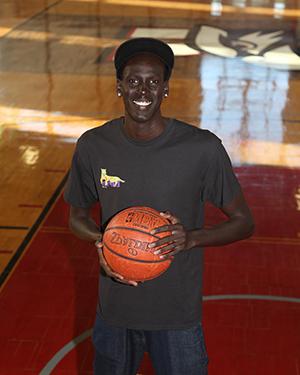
(133, 81)
(154, 82)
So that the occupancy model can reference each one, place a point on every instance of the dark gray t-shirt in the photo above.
(177, 171)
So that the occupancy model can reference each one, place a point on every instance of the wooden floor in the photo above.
(237, 73)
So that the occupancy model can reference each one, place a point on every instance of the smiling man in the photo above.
(146, 159)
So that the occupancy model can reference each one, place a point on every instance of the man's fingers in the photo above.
(164, 228)
(165, 249)
(127, 282)
(122, 280)
(99, 243)
(102, 258)
(173, 240)
(113, 274)
(168, 215)
(106, 267)
(118, 277)
(170, 254)
(161, 242)
(167, 228)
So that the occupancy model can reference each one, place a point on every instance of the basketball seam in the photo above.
(132, 259)
(133, 229)
(149, 211)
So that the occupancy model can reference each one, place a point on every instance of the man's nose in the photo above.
(143, 88)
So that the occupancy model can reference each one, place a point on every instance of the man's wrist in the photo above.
(97, 237)
(194, 238)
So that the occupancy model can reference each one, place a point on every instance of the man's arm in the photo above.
(82, 225)
(239, 226)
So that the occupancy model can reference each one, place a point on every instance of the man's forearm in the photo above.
(225, 233)
(85, 228)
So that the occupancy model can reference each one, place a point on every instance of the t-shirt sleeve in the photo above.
(221, 184)
(80, 190)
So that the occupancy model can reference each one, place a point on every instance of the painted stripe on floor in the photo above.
(33, 230)
(73, 343)
(13, 227)
(252, 297)
(64, 351)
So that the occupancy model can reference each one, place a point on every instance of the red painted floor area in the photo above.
(50, 297)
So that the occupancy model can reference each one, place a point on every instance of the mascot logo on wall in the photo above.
(267, 49)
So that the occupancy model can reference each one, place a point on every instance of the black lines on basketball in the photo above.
(134, 230)
(126, 242)
(132, 259)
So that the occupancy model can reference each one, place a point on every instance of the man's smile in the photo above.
(142, 103)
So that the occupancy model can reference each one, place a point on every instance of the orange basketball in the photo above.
(125, 243)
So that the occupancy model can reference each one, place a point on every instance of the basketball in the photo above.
(125, 243)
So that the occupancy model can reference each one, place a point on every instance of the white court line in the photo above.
(86, 334)
(64, 351)
(252, 297)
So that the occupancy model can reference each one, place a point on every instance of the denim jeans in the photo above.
(119, 351)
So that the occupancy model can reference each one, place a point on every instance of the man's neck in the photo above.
(144, 131)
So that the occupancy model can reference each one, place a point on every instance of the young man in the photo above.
(175, 168)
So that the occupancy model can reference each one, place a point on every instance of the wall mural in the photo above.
(268, 49)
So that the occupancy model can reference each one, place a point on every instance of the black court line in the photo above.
(295, 120)
(31, 18)
(30, 234)
(13, 227)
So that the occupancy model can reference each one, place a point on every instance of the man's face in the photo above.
(143, 87)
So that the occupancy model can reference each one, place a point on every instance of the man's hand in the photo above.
(108, 270)
(238, 226)
(179, 239)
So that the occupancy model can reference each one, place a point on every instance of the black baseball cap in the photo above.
(136, 46)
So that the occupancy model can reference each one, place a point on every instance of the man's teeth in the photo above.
(141, 103)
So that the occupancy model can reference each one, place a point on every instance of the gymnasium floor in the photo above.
(236, 74)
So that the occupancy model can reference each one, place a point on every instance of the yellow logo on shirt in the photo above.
(110, 181)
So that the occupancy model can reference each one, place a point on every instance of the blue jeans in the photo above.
(119, 351)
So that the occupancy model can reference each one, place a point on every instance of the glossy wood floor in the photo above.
(237, 74)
